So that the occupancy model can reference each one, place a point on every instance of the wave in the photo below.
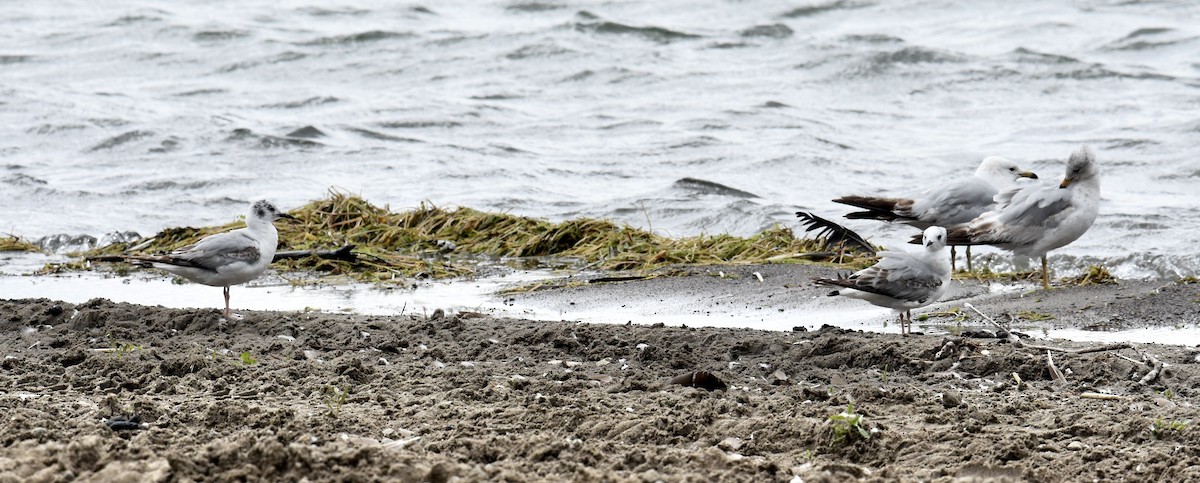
(367, 133)
(533, 6)
(419, 124)
(881, 63)
(219, 35)
(774, 31)
(20, 179)
(123, 138)
(55, 128)
(309, 102)
(359, 38)
(1147, 39)
(705, 187)
(538, 51)
(14, 59)
(812, 10)
(654, 33)
(280, 58)
(249, 138)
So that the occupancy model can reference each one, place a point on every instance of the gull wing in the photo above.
(954, 202)
(1022, 215)
(215, 252)
(900, 275)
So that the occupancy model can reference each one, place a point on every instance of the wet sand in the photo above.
(334, 397)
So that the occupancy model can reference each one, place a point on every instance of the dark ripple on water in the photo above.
(359, 38)
(591, 23)
(120, 139)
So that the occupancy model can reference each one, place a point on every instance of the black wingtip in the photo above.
(834, 234)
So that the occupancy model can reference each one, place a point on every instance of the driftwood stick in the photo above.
(107, 258)
(1154, 372)
(1130, 359)
(1096, 395)
(1084, 350)
(1058, 375)
(1017, 342)
(1012, 338)
(344, 253)
(1109, 347)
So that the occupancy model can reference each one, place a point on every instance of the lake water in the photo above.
(156, 113)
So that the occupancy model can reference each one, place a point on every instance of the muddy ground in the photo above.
(332, 397)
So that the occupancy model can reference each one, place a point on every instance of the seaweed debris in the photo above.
(11, 243)
(1095, 275)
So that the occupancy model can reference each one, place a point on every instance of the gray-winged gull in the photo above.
(1033, 219)
(945, 204)
(901, 280)
(229, 258)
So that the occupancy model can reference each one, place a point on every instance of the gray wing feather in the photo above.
(218, 251)
(899, 275)
(1022, 215)
(955, 202)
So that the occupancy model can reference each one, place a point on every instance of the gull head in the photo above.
(264, 211)
(996, 168)
(934, 238)
(1081, 167)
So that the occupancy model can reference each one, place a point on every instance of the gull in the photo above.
(1033, 219)
(229, 258)
(949, 203)
(901, 280)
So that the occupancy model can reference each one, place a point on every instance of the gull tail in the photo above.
(882, 209)
(835, 234)
(146, 260)
(838, 282)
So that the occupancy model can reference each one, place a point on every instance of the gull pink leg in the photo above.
(226, 303)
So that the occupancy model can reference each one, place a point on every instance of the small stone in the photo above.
(1163, 402)
(1076, 446)
(951, 399)
(730, 444)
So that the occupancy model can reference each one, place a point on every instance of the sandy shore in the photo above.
(285, 396)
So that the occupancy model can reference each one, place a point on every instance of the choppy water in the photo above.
(162, 113)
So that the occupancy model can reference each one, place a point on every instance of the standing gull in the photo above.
(229, 258)
(1031, 220)
(949, 203)
(901, 280)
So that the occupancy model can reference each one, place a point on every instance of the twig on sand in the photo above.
(1149, 360)
(1012, 338)
(1135, 361)
(1017, 342)
(343, 253)
(1154, 372)
(1096, 395)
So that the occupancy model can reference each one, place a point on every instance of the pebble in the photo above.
(951, 399)
(1076, 446)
